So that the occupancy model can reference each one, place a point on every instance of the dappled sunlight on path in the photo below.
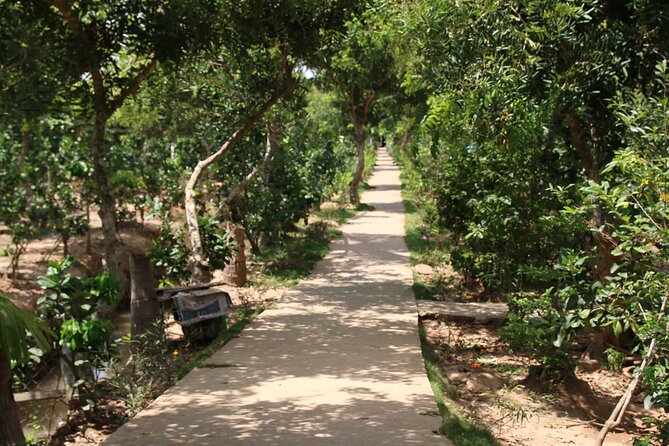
(337, 362)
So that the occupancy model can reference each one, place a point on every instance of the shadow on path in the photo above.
(337, 362)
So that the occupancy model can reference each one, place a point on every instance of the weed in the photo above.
(510, 410)
(614, 359)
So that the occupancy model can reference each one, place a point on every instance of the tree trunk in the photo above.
(235, 271)
(198, 263)
(590, 166)
(104, 189)
(354, 186)
(144, 308)
(404, 145)
(11, 432)
(88, 229)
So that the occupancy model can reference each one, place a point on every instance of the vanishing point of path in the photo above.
(337, 362)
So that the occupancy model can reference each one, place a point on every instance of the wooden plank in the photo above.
(24, 397)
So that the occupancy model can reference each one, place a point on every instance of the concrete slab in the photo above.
(337, 362)
(479, 312)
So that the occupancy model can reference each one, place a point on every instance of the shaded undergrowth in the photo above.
(424, 249)
(285, 264)
(421, 247)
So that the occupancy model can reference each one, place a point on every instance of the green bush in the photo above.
(169, 255)
(531, 328)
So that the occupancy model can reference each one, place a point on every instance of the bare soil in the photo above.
(490, 384)
(24, 291)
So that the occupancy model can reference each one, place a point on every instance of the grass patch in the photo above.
(338, 214)
(285, 264)
(460, 430)
(364, 207)
(415, 241)
(412, 225)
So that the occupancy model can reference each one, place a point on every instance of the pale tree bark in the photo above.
(198, 262)
(270, 143)
(10, 424)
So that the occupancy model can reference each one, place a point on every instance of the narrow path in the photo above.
(337, 362)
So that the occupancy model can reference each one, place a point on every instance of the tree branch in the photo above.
(241, 187)
(70, 17)
(132, 87)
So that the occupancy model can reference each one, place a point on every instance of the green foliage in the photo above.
(19, 329)
(614, 359)
(658, 437)
(73, 297)
(71, 309)
(531, 328)
(89, 334)
(219, 244)
(169, 255)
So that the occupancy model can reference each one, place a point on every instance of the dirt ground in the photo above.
(488, 381)
(23, 291)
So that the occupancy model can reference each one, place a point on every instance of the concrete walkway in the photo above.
(337, 362)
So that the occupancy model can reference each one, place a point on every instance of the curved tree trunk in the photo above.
(11, 432)
(198, 262)
(404, 144)
(270, 143)
(354, 186)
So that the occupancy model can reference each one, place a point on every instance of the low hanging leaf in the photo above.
(16, 327)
